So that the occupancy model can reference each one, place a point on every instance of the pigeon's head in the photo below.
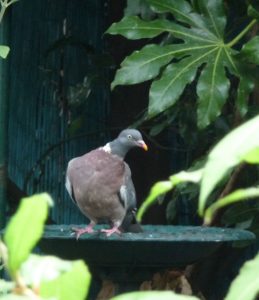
(131, 138)
(127, 139)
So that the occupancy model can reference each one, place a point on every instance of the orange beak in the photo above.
(143, 145)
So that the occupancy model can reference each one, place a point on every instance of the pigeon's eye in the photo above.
(129, 136)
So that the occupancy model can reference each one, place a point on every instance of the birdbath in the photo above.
(131, 258)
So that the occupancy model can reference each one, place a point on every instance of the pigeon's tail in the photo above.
(130, 224)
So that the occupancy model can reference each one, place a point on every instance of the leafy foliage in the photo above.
(240, 145)
(164, 186)
(38, 277)
(198, 52)
(246, 284)
(154, 295)
(34, 209)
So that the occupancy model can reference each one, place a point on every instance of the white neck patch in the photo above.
(107, 148)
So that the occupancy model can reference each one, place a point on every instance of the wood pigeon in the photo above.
(100, 183)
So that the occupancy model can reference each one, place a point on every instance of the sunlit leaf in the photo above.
(4, 50)
(71, 284)
(25, 229)
(229, 152)
(192, 176)
(236, 196)
(158, 189)
(163, 187)
(153, 295)
(246, 284)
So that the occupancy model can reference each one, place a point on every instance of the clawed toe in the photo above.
(79, 231)
(109, 232)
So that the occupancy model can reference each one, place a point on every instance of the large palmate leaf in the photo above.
(198, 51)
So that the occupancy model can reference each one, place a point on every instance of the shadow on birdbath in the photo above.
(131, 258)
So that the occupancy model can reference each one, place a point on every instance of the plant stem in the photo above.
(242, 33)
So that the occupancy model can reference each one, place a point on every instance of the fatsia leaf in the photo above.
(25, 229)
(182, 11)
(212, 90)
(246, 284)
(144, 64)
(233, 149)
(198, 53)
(166, 91)
(134, 28)
(215, 16)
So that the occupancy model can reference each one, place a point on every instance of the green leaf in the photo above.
(193, 176)
(4, 50)
(252, 157)
(246, 284)
(215, 16)
(158, 189)
(240, 212)
(17, 297)
(163, 187)
(245, 87)
(198, 53)
(167, 90)
(153, 295)
(182, 11)
(233, 149)
(250, 51)
(71, 284)
(253, 11)
(134, 28)
(212, 89)
(25, 229)
(236, 196)
(144, 64)
(138, 7)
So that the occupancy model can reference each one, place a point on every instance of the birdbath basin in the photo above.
(135, 256)
(158, 246)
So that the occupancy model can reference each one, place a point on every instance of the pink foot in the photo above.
(80, 231)
(109, 232)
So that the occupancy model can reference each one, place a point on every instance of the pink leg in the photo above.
(87, 229)
(114, 229)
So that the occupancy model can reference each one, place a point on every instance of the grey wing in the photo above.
(69, 185)
(127, 195)
(127, 191)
